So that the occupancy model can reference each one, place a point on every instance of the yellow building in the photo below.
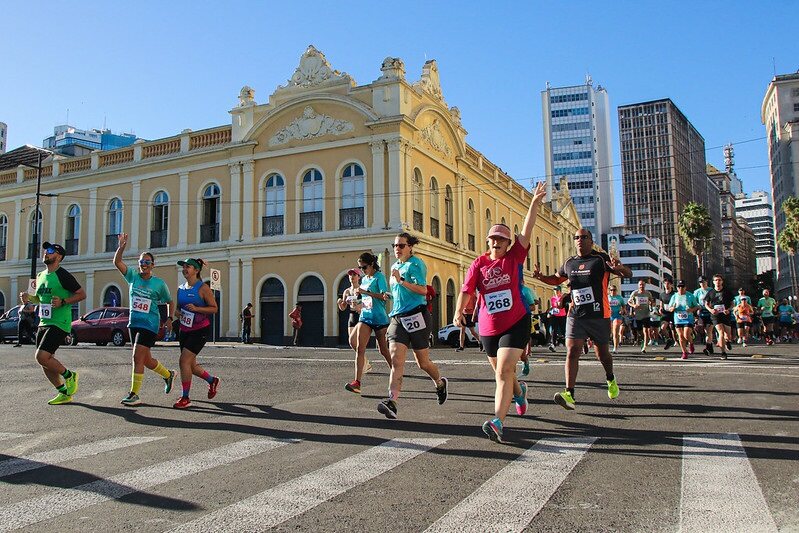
(284, 199)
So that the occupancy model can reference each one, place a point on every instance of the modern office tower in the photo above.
(758, 212)
(577, 146)
(645, 257)
(780, 114)
(663, 168)
(67, 140)
(3, 137)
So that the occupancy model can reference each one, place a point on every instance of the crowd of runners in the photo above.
(507, 314)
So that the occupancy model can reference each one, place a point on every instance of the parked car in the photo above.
(450, 334)
(104, 325)
(9, 323)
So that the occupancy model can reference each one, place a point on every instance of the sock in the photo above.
(161, 370)
(135, 382)
(186, 388)
(610, 377)
(62, 389)
(207, 377)
(67, 374)
(571, 391)
(497, 422)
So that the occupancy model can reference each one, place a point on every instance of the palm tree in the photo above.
(788, 238)
(696, 229)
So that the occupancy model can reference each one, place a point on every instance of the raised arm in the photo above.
(532, 213)
(122, 244)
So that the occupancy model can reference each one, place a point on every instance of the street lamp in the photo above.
(40, 154)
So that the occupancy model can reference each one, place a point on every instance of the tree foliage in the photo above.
(696, 229)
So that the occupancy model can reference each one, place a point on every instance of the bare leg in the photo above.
(398, 354)
(423, 360)
(382, 345)
(51, 366)
(507, 384)
(574, 349)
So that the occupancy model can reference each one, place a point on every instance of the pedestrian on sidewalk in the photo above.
(296, 323)
(246, 324)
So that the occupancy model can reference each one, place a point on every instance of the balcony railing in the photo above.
(209, 232)
(111, 242)
(2, 253)
(350, 218)
(449, 235)
(272, 225)
(434, 227)
(311, 222)
(158, 238)
(71, 246)
(418, 221)
(471, 242)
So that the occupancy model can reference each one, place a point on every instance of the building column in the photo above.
(235, 201)
(249, 194)
(248, 296)
(18, 230)
(396, 185)
(136, 207)
(89, 291)
(460, 194)
(183, 210)
(92, 234)
(378, 189)
(53, 236)
(234, 303)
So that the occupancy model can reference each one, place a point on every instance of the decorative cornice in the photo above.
(433, 136)
(309, 126)
(314, 70)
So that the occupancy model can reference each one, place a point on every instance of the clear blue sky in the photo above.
(155, 68)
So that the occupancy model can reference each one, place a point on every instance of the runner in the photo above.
(557, 319)
(704, 315)
(617, 305)
(504, 315)
(667, 322)
(146, 293)
(766, 305)
(683, 305)
(409, 323)
(196, 304)
(786, 312)
(351, 300)
(588, 273)
(56, 291)
(639, 301)
(717, 303)
(529, 297)
(743, 315)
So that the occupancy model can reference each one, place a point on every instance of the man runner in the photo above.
(766, 305)
(639, 301)
(717, 303)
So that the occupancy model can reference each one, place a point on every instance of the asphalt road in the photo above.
(697, 445)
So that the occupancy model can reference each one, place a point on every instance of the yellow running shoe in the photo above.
(72, 383)
(613, 389)
(60, 398)
(565, 400)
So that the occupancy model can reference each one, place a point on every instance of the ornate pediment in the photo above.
(430, 82)
(314, 70)
(310, 125)
(435, 138)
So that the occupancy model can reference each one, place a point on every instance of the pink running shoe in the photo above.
(690, 348)
(212, 388)
(684, 356)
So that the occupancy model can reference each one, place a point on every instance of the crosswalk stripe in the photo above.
(9, 436)
(536, 474)
(42, 459)
(292, 498)
(62, 501)
(720, 491)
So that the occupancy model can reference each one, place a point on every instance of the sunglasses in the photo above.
(363, 267)
(49, 251)
(400, 245)
(581, 237)
(145, 262)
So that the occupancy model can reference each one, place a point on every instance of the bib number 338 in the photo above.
(499, 301)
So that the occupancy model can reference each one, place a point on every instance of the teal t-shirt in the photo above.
(616, 303)
(786, 313)
(414, 271)
(145, 296)
(374, 310)
(529, 297)
(682, 302)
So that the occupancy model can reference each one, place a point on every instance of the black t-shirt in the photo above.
(665, 297)
(246, 315)
(588, 277)
(715, 298)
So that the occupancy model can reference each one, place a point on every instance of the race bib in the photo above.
(140, 305)
(366, 301)
(681, 315)
(46, 311)
(642, 300)
(186, 318)
(583, 296)
(499, 301)
(719, 308)
(413, 323)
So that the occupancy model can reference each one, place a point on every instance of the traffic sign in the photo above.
(216, 280)
(32, 286)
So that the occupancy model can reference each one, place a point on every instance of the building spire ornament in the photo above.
(430, 82)
(314, 70)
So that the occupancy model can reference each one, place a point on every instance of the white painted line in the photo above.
(292, 498)
(537, 474)
(63, 501)
(42, 459)
(719, 489)
(9, 436)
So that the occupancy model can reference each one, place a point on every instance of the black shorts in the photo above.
(642, 323)
(467, 320)
(142, 337)
(722, 319)
(49, 338)
(418, 339)
(517, 336)
(668, 317)
(194, 341)
(352, 321)
(375, 327)
(768, 320)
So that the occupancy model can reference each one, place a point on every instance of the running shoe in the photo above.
(613, 350)
(684, 356)
(367, 367)
(723, 355)
(131, 400)
(72, 384)
(710, 348)
(353, 386)
(706, 351)
(525, 369)
(168, 382)
(669, 344)
(551, 347)
(565, 400)
(643, 349)
(739, 340)
(729, 346)
(213, 387)
(743, 344)
(585, 347)
(493, 429)
(388, 408)
(480, 345)
(60, 398)
(613, 389)
(441, 391)
(182, 403)
(521, 400)
(459, 349)
(691, 348)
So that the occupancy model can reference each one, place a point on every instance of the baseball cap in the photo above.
(57, 247)
(681, 283)
(499, 230)
(352, 271)
(191, 262)
(702, 278)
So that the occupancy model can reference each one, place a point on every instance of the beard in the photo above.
(49, 261)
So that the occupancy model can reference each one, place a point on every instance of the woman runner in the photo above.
(684, 304)
(617, 305)
(146, 293)
(196, 304)
(504, 317)
(352, 301)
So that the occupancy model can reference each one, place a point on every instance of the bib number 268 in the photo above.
(498, 301)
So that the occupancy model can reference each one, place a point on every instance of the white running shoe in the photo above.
(367, 367)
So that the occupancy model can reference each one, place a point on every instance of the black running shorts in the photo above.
(418, 320)
(143, 337)
(49, 338)
(517, 336)
(194, 341)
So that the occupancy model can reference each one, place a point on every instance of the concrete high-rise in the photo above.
(758, 212)
(577, 146)
(3, 137)
(780, 114)
(663, 168)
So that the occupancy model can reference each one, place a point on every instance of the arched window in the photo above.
(450, 301)
(470, 224)
(555, 263)
(312, 201)
(35, 229)
(488, 220)
(72, 234)
(115, 212)
(418, 200)
(502, 221)
(3, 236)
(112, 297)
(449, 216)
(160, 227)
(547, 257)
(275, 194)
(434, 199)
(212, 211)
(352, 187)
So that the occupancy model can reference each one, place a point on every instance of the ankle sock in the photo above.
(207, 377)
(62, 389)
(66, 374)
(186, 388)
